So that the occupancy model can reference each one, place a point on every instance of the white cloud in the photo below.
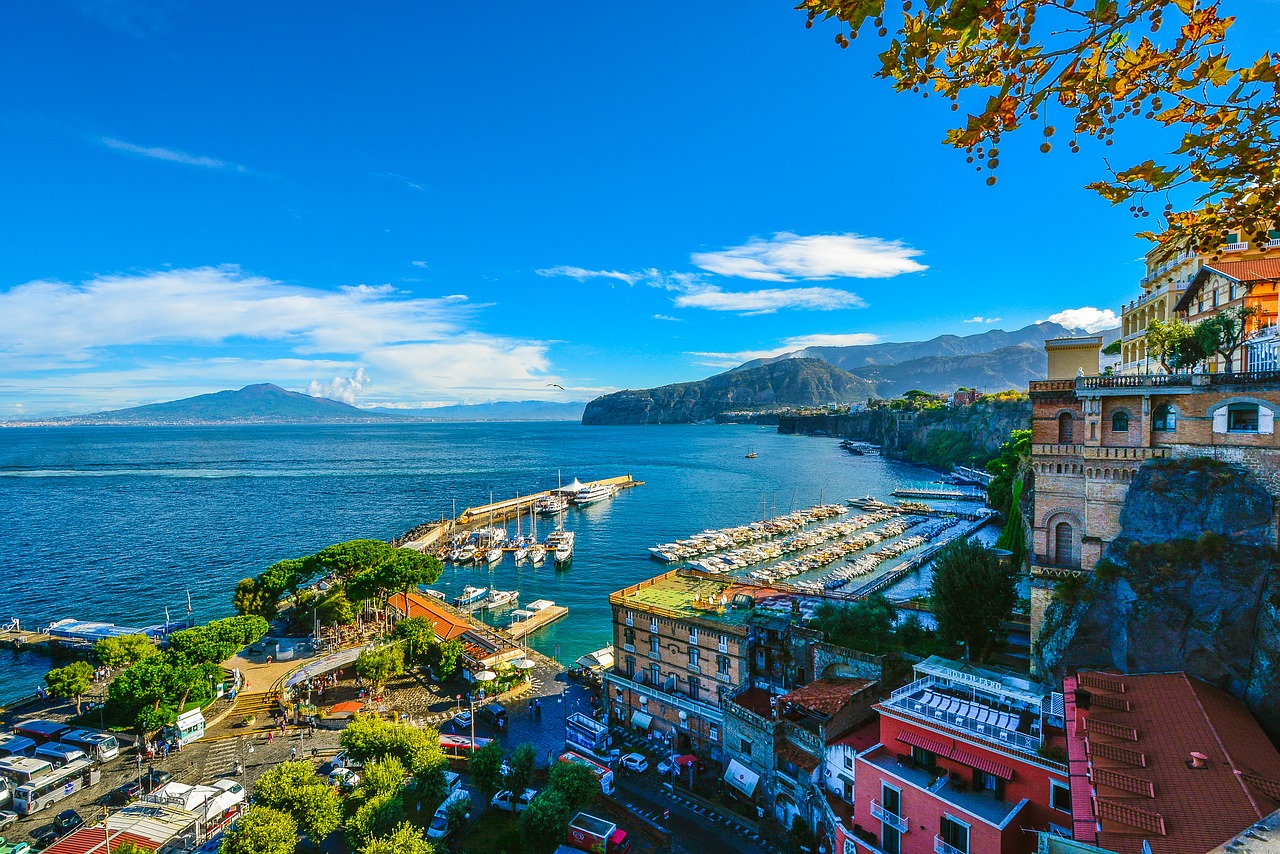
(668, 317)
(128, 338)
(346, 389)
(788, 345)
(789, 257)
(977, 318)
(401, 180)
(172, 155)
(1088, 318)
(582, 274)
(422, 264)
(769, 300)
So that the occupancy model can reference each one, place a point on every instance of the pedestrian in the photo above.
(270, 735)
(293, 753)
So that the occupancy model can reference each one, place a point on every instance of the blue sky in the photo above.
(423, 203)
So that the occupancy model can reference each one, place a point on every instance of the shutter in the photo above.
(1266, 420)
(1220, 420)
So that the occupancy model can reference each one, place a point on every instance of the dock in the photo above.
(942, 494)
(540, 619)
(435, 534)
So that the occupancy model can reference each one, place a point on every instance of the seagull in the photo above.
(555, 385)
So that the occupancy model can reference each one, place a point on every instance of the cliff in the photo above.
(1008, 367)
(793, 382)
(1191, 583)
(970, 435)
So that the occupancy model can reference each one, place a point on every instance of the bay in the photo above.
(120, 523)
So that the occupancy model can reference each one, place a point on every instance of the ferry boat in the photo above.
(501, 599)
(470, 596)
(592, 494)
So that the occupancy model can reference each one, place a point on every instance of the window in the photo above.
(722, 664)
(656, 673)
(1062, 544)
(1242, 418)
(631, 666)
(1120, 422)
(954, 833)
(693, 637)
(1065, 428)
(1059, 796)
(744, 747)
(848, 761)
(988, 782)
(923, 758)
(654, 648)
(1166, 419)
(695, 688)
(693, 656)
(629, 636)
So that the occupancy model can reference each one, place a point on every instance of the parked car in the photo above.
(144, 785)
(63, 823)
(7, 818)
(345, 760)
(668, 767)
(506, 800)
(635, 762)
(462, 719)
(493, 714)
(344, 778)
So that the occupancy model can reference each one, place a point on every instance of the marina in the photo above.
(537, 615)
(973, 494)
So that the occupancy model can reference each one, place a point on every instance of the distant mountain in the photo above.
(1008, 367)
(888, 353)
(792, 382)
(507, 410)
(253, 404)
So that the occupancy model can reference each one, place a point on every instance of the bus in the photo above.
(16, 745)
(59, 754)
(99, 746)
(586, 734)
(19, 769)
(41, 731)
(603, 774)
(53, 787)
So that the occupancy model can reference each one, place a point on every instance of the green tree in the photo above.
(148, 720)
(124, 650)
(405, 569)
(1114, 348)
(369, 737)
(865, 625)
(486, 768)
(1013, 453)
(576, 782)
(419, 637)
(1173, 344)
(294, 788)
(545, 821)
(70, 681)
(335, 607)
(251, 598)
(129, 848)
(458, 813)
(380, 664)
(405, 839)
(972, 595)
(143, 683)
(376, 817)
(1089, 66)
(450, 655)
(1225, 332)
(522, 763)
(349, 559)
(262, 830)
(383, 775)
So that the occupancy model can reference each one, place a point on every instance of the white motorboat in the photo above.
(493, 555)
(550, 505)
(502, 599)
(470, 596)
(467, 553)
(592, 494)
(560, 543)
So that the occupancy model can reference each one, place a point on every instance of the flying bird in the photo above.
(555, 385)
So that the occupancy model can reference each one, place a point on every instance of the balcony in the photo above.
(723, 646)
(723, 677)
(693, 668)
(940, 847)
(893, 820)
(1054, 563)
(707, 711)
(655, 654)
(1273, 243)
(629, 647)
(980, 804)
(1235, 247)
(1051, 385)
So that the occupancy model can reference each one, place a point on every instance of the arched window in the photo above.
(1165, 420)
(1120, 422)
(1242, 418)
(1065, 428)
(1062, 544)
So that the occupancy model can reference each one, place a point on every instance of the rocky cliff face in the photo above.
(793, 382)
(1191, 583)
(936, 437)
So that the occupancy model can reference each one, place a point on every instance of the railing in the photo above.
(1244, 378)
(987, 732)
(1124, 453)
(655, 655)
(1052, 385)
(1057, 450)
(723, 677)
(1273, 243)
(723, 646)
(940, 847)
(708, 711)
(1235, 247)
(803, 738)
(1054, 563)
(693, 668)
(918, 685)
(629, 647)
(1136, 381)
(895, 821)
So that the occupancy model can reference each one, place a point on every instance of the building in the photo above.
(969, 760)
(1169, 275)
(1250, 284)
(1164, 763)
(1091, 434)
(483, 648)
(181, 820)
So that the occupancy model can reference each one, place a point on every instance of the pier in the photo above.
(541, 618)
(433, 535)
(942, 494)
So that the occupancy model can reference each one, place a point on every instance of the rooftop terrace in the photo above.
(981, 804)
(684, 595)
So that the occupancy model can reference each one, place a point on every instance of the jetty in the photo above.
(942, 494)
(432, 536)
(538, 614)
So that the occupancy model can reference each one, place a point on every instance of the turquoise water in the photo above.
(118, 523)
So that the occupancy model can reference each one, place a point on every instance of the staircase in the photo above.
(259, 703)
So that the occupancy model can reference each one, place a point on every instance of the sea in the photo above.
(129, 524)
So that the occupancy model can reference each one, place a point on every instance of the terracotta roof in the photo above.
(1142, 787)
(351, 707)
(92, 840)
(448, 625)
(1254, 270)
(798, 757)
(827, 696)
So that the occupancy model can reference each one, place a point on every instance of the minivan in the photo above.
(59, 754)
(493, 714)
(440, 828)
(17, 745)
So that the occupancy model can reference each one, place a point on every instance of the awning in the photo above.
(982, 763)
(924, 742)
(686, 760)
(641, 720)
(741, 778)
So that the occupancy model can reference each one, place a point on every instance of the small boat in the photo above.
(493, 555)
(550, 505)
(560, 542)
(522, 553)
(751, 454)
(470, 596)
(436, 594)
(501, 599)
(537, 554)
(467, 553)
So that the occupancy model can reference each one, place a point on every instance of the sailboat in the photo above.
(521, 545)
(560, 543)
(751, 453)
(537, 551)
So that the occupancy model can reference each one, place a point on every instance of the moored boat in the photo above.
(470, 596)
(501, 599)
(592, 494)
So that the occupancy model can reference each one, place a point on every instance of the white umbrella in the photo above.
(486, 676)
(525, 664)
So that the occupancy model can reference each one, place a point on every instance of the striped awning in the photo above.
(924, 742)
(982, 763)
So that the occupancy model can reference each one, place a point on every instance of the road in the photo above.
(694, 829)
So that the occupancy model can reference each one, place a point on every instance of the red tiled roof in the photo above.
(1255, 270)
(1177, 808)
(448, 625)
(827, 696)
(92, 840)
(351, 706)
(800, 758)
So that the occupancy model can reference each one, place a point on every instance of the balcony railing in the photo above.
(1273, 243)
(1243, 378)
(892, 819)
(693, 668)
(1055, 563)
(1052, 385)
(940, 847)
(1235, 247)
(901, 701)
(723, 677)
(629, 647)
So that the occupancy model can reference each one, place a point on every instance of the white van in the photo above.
(59, 754)
(439, 828)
